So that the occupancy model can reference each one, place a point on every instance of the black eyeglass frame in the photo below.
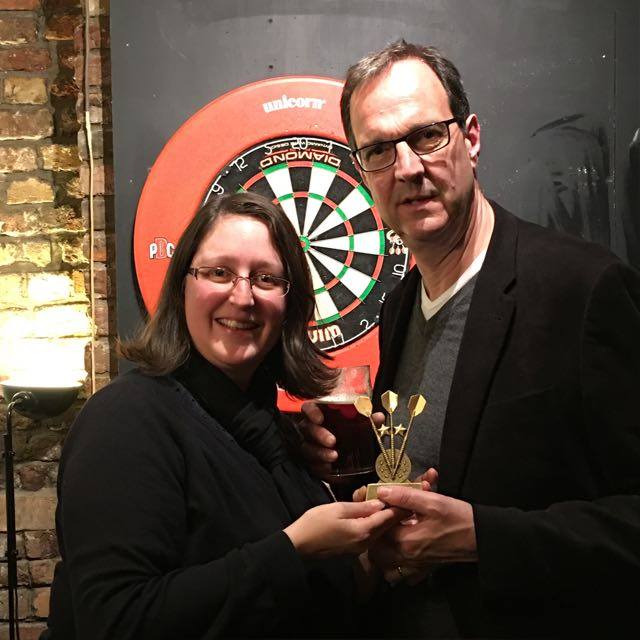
(286, 284)
(355, 152)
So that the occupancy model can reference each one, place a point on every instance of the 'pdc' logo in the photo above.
(160, 249)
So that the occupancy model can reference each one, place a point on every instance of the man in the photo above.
(526, 344)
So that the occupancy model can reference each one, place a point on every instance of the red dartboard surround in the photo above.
(283, 138)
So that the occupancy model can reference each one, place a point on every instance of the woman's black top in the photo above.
(172, 496)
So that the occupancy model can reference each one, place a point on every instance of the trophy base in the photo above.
(372, 489)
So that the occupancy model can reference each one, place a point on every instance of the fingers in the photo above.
(367, 530)
(431, 477)
(318, 435)
(359, 509)
(380, 521)
(316, 454)
(369, 515)
(359, 494)
(312, 412)
(378, 418)
(378, 524)
(362, 523)
(407, 499)
(400, 514)
(317, 448)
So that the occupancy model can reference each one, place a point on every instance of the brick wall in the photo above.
(45, 311)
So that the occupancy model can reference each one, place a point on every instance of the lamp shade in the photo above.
(42, 401)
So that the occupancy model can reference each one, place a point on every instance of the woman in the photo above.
(183, 511)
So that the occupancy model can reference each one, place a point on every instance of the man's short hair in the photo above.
(374, 64)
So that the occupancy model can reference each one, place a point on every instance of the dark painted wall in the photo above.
(556, 84)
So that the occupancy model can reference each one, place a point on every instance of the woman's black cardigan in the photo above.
(173, 493)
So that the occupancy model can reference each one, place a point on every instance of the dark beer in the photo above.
(355, 442)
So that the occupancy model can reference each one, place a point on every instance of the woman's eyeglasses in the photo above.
(262, 283)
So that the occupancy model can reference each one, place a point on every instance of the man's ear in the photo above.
(363, 174)
(472, 139)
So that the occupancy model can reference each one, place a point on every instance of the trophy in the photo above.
(392, 465)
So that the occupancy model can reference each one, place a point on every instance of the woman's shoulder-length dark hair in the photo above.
(164, 343)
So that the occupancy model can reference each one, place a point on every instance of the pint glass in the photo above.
(355, 442)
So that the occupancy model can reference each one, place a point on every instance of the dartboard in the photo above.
(282, 138)
(351, 256)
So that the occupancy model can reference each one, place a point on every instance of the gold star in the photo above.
(399, 430)
(383, 430)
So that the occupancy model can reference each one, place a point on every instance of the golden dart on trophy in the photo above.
(392, 465)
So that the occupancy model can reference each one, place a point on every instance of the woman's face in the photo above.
(235, 326)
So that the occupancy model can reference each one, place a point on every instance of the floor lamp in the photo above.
(35, 402)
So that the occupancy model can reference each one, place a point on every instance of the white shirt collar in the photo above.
(431, 307)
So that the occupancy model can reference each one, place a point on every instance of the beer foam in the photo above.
(338, 398)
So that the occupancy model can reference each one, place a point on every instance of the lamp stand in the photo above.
(12, 552)
(34, 402)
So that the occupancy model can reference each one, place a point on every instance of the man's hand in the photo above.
(442, 531)
(428, 480)
(430, 477)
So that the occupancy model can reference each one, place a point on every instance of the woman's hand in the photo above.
(340, 527)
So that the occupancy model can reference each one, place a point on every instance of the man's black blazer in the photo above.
(541, 435)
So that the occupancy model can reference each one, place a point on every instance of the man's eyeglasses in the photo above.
(262, 283)
(423, 141)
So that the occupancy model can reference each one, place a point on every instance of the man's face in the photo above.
(421, 198)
